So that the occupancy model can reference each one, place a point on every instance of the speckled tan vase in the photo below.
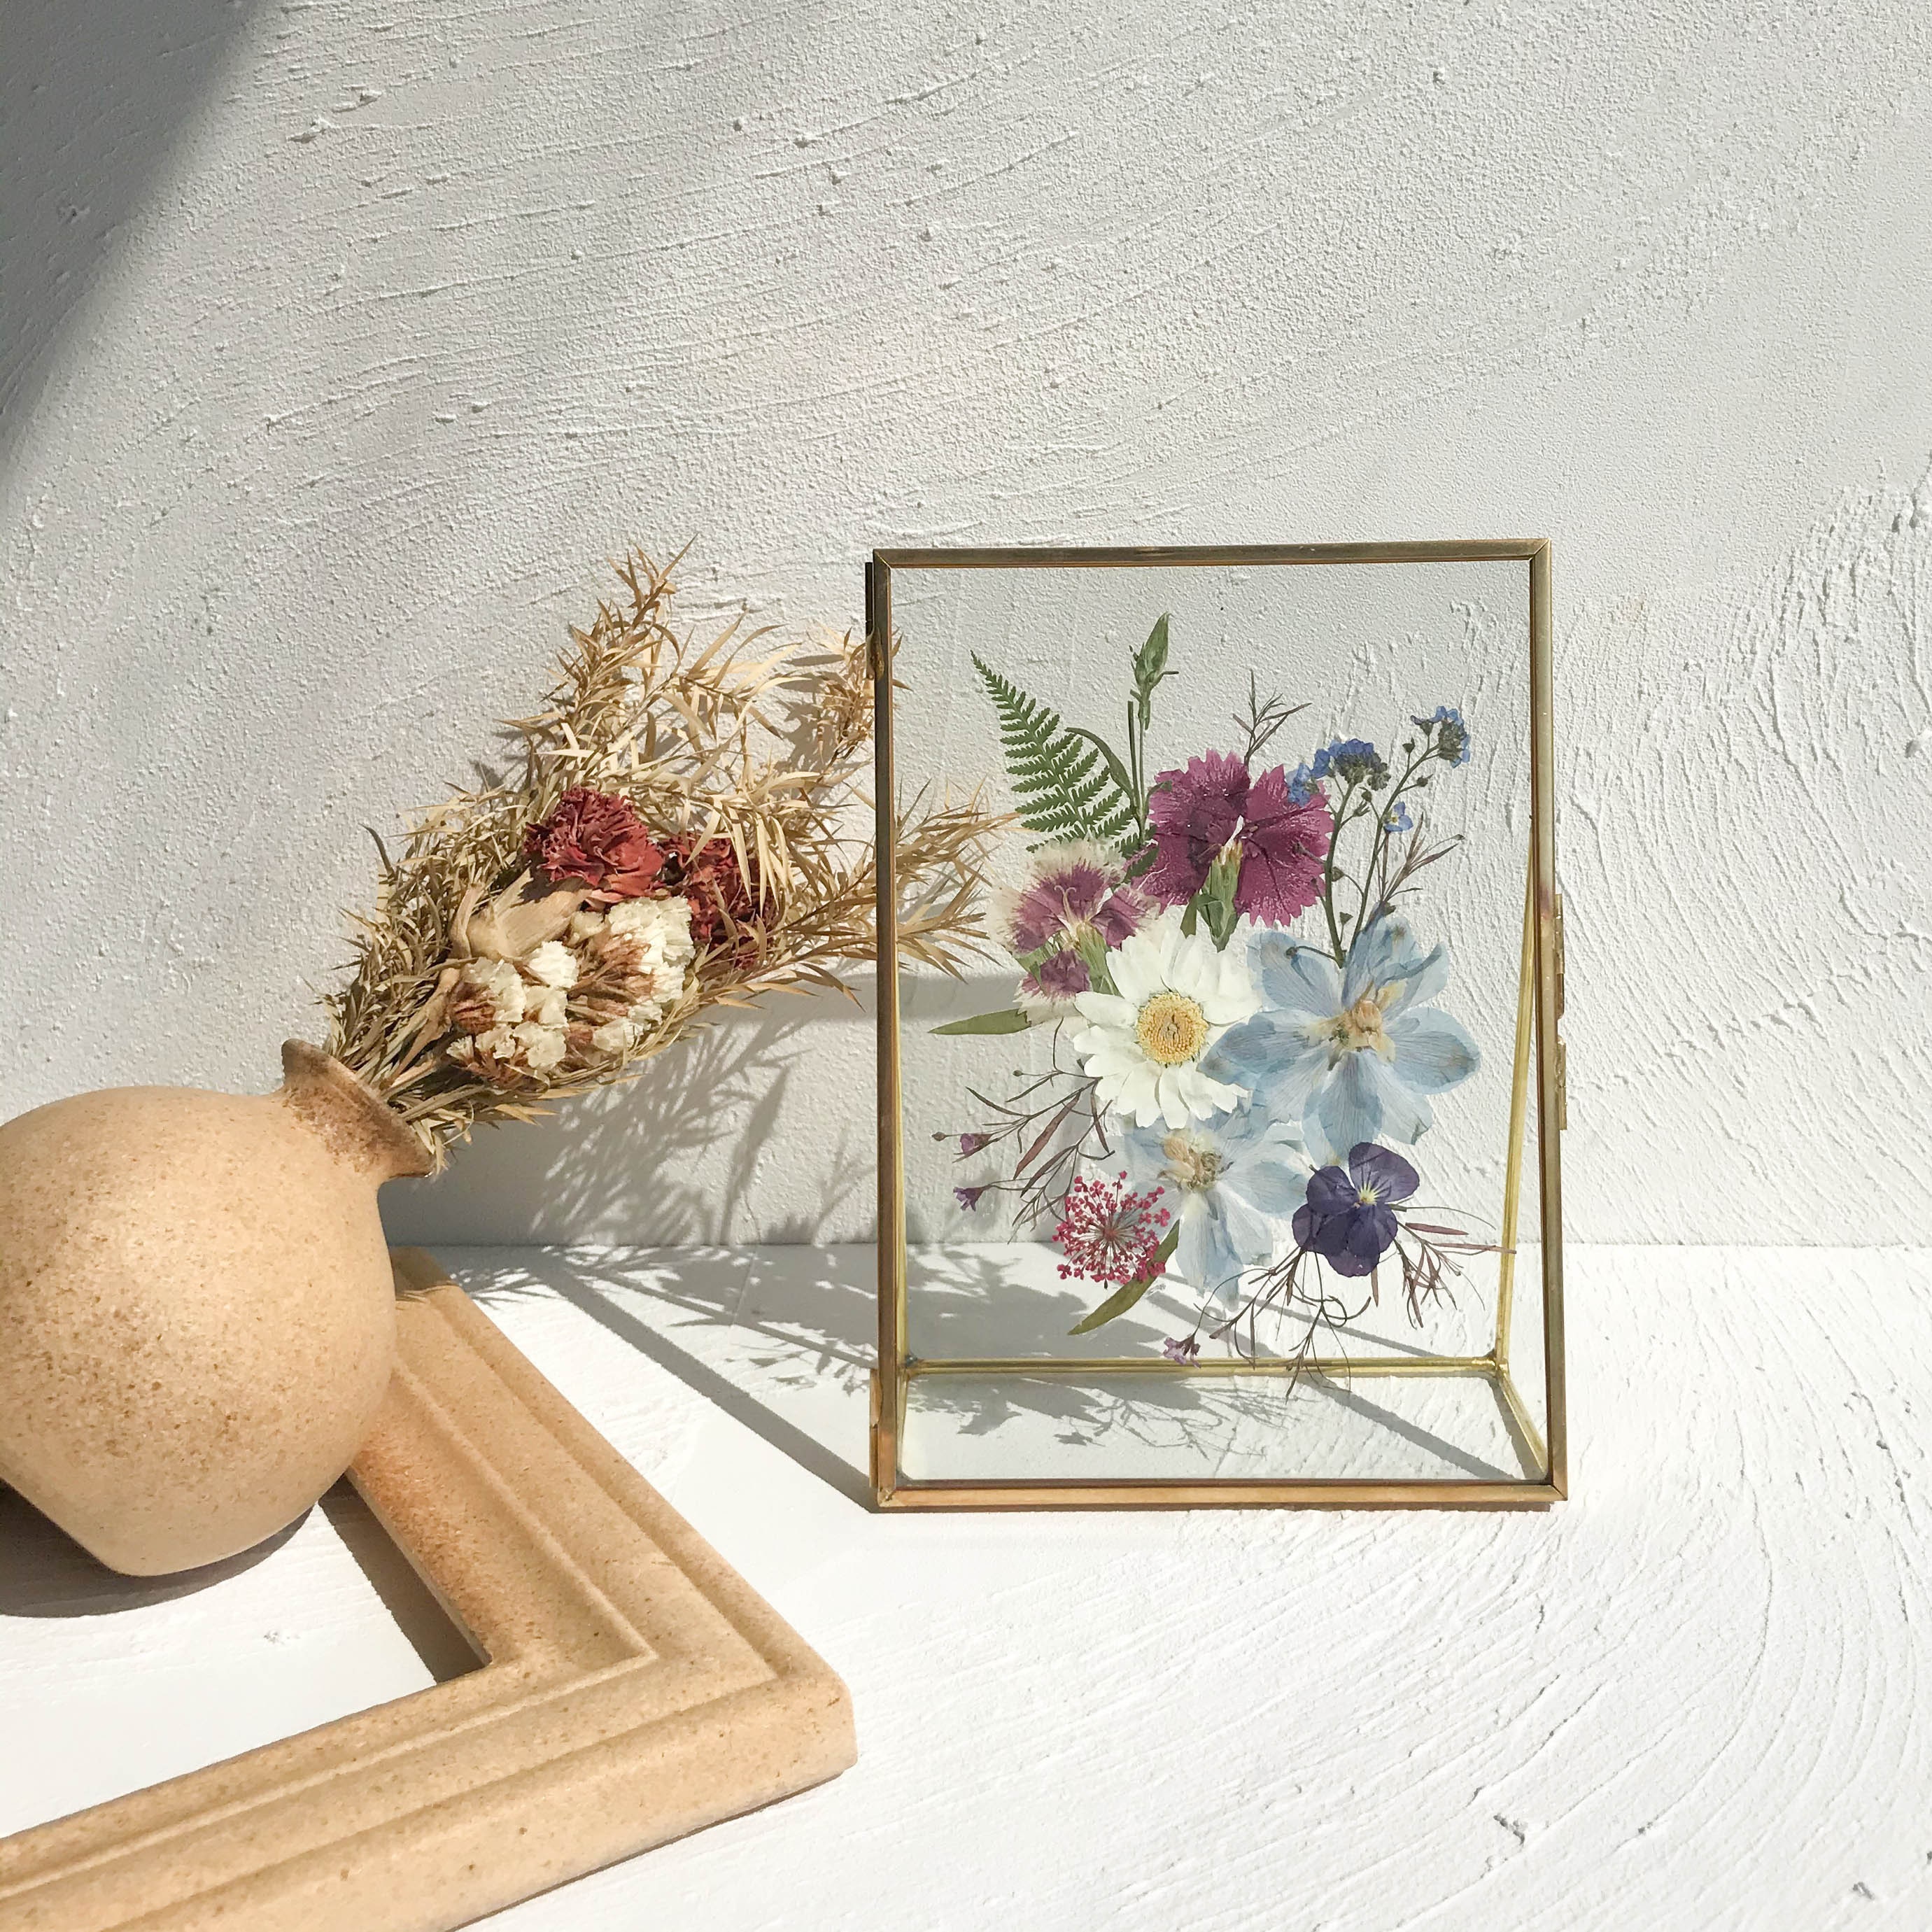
(197, 1318)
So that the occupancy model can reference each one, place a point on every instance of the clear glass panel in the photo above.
(1199, 1049)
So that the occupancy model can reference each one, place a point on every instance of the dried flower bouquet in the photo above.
(688, 831)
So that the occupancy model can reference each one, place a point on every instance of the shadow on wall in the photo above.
(93, 94)
(713, 1143)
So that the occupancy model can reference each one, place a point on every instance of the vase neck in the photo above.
(348, 1118)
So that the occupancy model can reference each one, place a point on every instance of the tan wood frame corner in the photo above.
(1539, 1067)
(635, 1689)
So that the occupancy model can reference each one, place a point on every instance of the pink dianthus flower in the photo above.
(1196, 811)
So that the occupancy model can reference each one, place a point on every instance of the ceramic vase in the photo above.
(197, 1317)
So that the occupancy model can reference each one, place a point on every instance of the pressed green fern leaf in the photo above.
(1062, 786)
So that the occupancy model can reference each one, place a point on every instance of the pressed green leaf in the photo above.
(1116, 770)
(1011, 1020)
(1123, 1298)
(1093, 951)
(1063, 780)
(1150, 667)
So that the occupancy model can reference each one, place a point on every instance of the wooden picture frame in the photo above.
(633, 1688)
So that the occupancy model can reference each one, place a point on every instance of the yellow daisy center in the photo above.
(1172, 1029)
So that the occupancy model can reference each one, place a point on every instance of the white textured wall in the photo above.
(341, 341)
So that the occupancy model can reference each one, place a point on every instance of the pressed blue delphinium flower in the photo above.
(1349, 1218)
(1229, 1174)
(1351, 761)
(1452, 735)
(1301, 784)
(1351, 1054)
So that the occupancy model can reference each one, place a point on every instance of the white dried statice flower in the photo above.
(499, 1043)
(543, 1046)
(647, 941)
(553, 964)
(586, 925)
(616, 1036)
(659, 931)
(547, 1005)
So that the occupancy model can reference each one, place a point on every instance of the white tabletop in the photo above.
(1690, 1697)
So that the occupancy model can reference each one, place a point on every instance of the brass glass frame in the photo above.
(1538, 1058)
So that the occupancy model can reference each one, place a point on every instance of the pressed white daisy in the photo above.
(1173, 997)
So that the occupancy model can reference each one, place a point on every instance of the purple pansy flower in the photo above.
(1349, 1218)
(1283, 840)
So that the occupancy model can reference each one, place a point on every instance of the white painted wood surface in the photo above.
(1694, 1696)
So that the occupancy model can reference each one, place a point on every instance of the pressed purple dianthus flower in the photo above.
(1076, 891)
(1283, 838)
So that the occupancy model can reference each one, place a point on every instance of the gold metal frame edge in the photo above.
(894, 1370)
(1104, 556)
(1306, 1492)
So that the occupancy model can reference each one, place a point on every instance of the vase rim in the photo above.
(351, 1118)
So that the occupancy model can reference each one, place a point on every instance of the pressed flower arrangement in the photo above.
(1244, 1013)
(688, 830)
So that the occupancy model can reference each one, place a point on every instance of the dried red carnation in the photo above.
(596, 838)
(707, 873)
